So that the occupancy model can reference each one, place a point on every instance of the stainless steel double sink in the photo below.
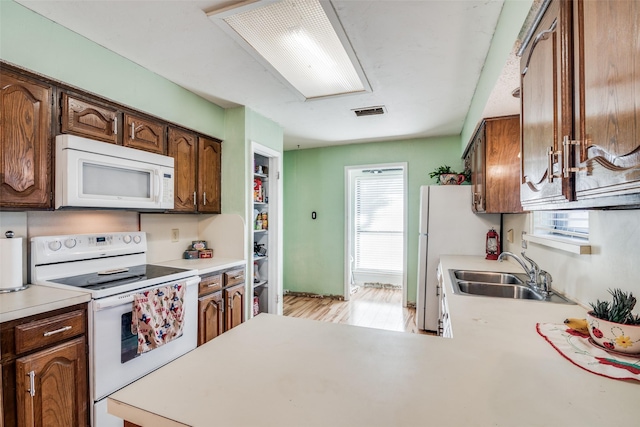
(499, 285)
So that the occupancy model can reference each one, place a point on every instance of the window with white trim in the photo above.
(571, 225)
(379, 221)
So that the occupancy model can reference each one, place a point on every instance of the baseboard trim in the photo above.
(313, 295)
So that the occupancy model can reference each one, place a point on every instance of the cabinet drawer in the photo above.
(234, 277)
(41, 333)
(210, 284)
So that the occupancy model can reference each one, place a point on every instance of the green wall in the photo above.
(38, 44)
(314, 250)
(512, 17)
(243, 125)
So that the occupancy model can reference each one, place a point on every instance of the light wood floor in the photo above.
(370, 307)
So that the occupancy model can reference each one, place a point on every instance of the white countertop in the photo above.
(37, 299)
(204, 265)
(281, 371)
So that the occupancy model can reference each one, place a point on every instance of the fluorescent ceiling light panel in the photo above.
(297, 39)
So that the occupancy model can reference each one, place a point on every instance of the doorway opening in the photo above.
(376, 227)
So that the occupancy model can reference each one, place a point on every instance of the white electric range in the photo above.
(113, 267)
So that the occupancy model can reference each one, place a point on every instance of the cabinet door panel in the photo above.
(209, 168)
(501, 169)
(88, 119)
(608, 96)
(143, 134)
(59, 397)
(25, 121)
(210, 317)
(234, 300)
(478, 170)
(182, 147)
(544, 109)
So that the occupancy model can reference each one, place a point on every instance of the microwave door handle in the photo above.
(158, 185)
(156, 181)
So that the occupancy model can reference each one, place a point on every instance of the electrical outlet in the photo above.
(524, 242)
(175, 234)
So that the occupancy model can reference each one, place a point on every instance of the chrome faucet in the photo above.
(539, 279)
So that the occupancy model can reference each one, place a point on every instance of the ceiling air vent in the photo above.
(369, 111)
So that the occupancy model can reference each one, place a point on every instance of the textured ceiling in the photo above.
(422, 59)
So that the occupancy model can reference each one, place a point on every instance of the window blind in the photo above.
(564, 224)
(379, 214)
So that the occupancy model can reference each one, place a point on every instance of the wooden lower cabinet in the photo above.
(51, 386)
(210, 317)
(220, 303)
(1, 404)
(44, 369)
(234, 299)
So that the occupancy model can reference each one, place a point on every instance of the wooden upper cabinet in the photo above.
(209, 169)
(502, 165)
(182, 146)
(143, 134)
(607, 94)
(88, 119)
(545, 108)
(51, 386)
(495, 165)
(25, 149)
(478, 174)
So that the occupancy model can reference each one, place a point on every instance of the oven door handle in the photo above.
(127, 298)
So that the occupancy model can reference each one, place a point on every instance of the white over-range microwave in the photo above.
(93, 174)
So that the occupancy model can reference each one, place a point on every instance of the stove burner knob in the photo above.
(126, 239)
(70, 243)
(137, 239)
(54, 245)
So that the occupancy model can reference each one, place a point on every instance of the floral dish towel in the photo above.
(579, 350)
(157, 316)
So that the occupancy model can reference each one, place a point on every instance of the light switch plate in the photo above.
(175, 234)
(510, 235)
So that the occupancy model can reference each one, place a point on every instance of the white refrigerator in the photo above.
(448, 226)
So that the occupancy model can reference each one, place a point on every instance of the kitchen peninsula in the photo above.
(283, 371)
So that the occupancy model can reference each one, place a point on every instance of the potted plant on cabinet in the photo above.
(612, 325)
(447, 176)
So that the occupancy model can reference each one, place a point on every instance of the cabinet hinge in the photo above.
(566, 146)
